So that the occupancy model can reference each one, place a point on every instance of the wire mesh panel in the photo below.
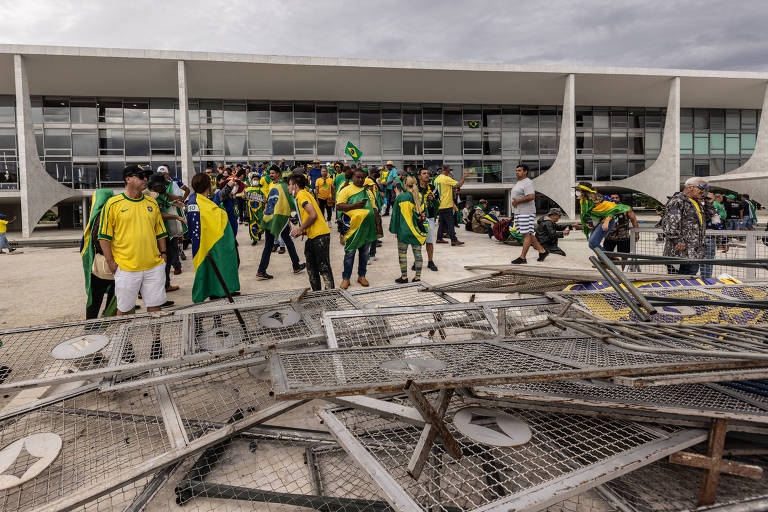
(610, 306)
(511, 281)
(403, 325)
(510, 459)
(75, 444)
(411, 294)
(724, 245)
(515, 316)
(249, 299)
(666, 487)
(683, 400)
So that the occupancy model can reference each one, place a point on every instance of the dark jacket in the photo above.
(682, 224)
(547, 232)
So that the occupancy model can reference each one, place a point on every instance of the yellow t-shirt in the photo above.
(445, 186)
(350, 190)
(3, 225)
(133, 226)
(323, 187)
(319, 227)
(368, 182)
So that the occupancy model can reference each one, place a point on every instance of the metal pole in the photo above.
(619, 291)
(226, 291)
(621, 277)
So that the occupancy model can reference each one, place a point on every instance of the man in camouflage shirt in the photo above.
(685, 222)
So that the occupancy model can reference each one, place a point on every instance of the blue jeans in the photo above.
(362, 263)
(4, 242)
(597, 235)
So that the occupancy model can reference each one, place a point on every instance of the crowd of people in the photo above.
(135, 241)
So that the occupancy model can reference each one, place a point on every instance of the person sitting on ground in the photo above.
(478, 212)
(548, 231)
(506, 231)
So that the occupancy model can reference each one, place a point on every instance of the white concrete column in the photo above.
(752, 177)
(39, 192)
(557, 182)
(85, 212)
(187, 165)
(662, 178)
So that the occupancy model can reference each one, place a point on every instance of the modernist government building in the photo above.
(72, 118)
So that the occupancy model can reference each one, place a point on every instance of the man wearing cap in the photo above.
(3, 237)
(684, 224)
(174, 220)
(175, 190)
(523, 200)
(445, 186)
(132, 237)
(477, 217)
(734, 210)
(548, 231)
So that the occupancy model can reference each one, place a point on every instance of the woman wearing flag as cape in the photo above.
(593, 205)
(357, 225)
(95, 286)
(213, 244)
(408, 225)
(277, 211)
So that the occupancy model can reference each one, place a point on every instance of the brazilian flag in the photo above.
(514, 234)
(352, 151)
(277, 209)
(360, 223)
(212, 239)
(98, 200)
(405, 222)
(473, 124)
(490, 216)
(255, 212)
(605, 208)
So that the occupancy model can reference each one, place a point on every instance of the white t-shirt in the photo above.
(521, 189)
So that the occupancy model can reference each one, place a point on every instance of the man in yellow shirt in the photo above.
(324, 193)
(132, 237)
(317, 248)
(445, 185)
(3, 237)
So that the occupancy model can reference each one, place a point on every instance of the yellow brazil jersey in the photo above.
(445, 186)
(323, 187)
(319, 227)
(3, 225)
(133, 226)
(350, 190)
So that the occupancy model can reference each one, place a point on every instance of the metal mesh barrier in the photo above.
(610, 306)
(665, 487)
(681, 400)
(511, 281)
(739, 244)
(547, 456)
(512, 316)
(249, 299)
(399, 326)
(77, 443)
(411, 294)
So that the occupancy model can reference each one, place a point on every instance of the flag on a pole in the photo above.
(352, 151)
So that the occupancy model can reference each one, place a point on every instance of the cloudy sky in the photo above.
(700, 34)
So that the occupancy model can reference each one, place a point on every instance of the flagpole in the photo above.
(226, 290)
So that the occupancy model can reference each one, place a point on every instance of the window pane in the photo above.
(529, 118)
(162, 111)
(390, 115)
(349, 113)
(600, 119)
(411, 116)
(492, 117)
(492, 144)
(85, 144)
(57, 138)
(686, 119)
(111, 172)
(618, 118)
(136, 142)
(583, 143)
(732, 120)
(259, 141)
(257, 113)
(55, 110)
(163, 141)
(717, 120)
(136, 112)
(618, 143)
(451, 117)
(701, 144)
(529, 144)
(328, 147)
(370, 145)
(619, 168)
(235, 143)
(7, 138)
(686, 143)
(111, 141)
(584, 118)
(653, 141)
(235, 113)
(370, 116)
(433, 143)
(732, 144)
(326, 115)
(547, 144)
(282, 144)
(304, 113)
(211, 112)
(7, 109)
(716, 143)
(602, 170)
(636, 145)
(413, 145)
(61, 171)
(749, 120)
(601, 144)
(452, 145)
(86, 175)
(510, 118)
(700, 119)
(686, 168)
(391, 140)
(747, 143)
(282, 115)
(84, 111)
(636, 118)
(654, 119)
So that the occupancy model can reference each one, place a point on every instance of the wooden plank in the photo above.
(174, 426)
(382, 408)
(433, 418)
(393, 491)
(427, 437)
(715, 445)
(696, 460)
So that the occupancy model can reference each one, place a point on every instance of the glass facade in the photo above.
(85, 142)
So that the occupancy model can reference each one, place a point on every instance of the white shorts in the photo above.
(432, 233)
(151, 284)
(524, 224)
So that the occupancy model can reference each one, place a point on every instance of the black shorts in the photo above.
(612, 245)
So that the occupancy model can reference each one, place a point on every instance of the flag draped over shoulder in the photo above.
(277, 209)
(212, 239)
(255, 212)
(601, 210)
(87, 252)
(361, 223)
(405, 222)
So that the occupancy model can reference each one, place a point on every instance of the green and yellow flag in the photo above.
(360, 223)
(87, 252)
(405, 222)
(277, 209)
(212, 239)
(352, 151)
(255, 200)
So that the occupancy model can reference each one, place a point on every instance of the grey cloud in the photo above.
(703, 34)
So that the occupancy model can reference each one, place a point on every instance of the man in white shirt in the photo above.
(523, 196)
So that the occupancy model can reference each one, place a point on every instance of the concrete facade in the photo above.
(37, 70)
